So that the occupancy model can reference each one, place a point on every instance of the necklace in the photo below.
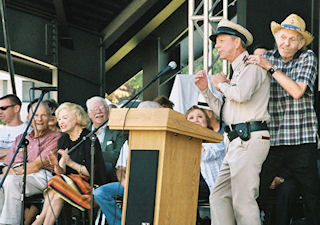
(75, 135)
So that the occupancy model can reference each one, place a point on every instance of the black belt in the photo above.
(238, 128)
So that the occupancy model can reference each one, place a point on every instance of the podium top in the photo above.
(159, 119)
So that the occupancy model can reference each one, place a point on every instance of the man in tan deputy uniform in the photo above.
(244, 111)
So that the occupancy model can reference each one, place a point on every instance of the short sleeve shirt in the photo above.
(42, 145)
(8, 134)
(293, 121)
(123, 157)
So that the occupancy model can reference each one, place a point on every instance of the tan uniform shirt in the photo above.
(247, 95)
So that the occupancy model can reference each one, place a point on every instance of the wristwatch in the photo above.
(272, 69)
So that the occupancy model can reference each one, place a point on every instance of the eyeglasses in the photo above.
(101, 107)
(3, 108)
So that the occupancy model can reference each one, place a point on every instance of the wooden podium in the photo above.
(163, 170)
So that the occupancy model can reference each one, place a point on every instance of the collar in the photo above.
(239, 60)
(43, 133)
(101, 128)
(276, 54)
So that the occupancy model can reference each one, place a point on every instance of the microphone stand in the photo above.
(25, 155)
(20, 144)
(93, 138)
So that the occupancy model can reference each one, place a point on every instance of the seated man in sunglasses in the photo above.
(10, 106)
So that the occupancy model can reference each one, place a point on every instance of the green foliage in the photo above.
(136, 82)
(128, 89)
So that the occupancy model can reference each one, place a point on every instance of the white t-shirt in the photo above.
(123, 156)
(8, 135)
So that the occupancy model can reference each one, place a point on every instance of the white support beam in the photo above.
(190, 36)
(205, 31)
(225, 16)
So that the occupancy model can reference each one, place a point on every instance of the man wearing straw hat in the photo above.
(293, 124)
(244, 111)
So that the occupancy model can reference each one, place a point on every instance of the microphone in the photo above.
(45, 89)
(171, 66)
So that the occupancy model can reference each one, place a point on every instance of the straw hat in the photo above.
(227, 27)
(293, 22)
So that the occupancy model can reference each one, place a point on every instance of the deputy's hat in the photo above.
(227, 27)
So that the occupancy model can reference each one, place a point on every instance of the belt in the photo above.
(253, 126)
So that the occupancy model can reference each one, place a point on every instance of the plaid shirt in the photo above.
(293, 121)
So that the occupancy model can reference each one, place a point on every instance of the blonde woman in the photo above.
(73, 171)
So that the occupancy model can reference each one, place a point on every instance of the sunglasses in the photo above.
(3, 108)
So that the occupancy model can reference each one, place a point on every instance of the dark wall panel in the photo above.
(80, 68)
(73, 89)
(27, 34)
(257, 16)
(124, 70)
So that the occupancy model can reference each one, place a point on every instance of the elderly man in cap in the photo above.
(244, 111)
(293, 124)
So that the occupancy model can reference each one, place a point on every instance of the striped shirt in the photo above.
(42, 145)
(293, 121)
(211, 160)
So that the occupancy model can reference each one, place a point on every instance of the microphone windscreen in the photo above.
(173, 65)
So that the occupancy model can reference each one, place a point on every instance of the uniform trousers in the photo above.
(10, 194)
(233, 200)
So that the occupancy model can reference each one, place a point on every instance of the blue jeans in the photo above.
(106, 197)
